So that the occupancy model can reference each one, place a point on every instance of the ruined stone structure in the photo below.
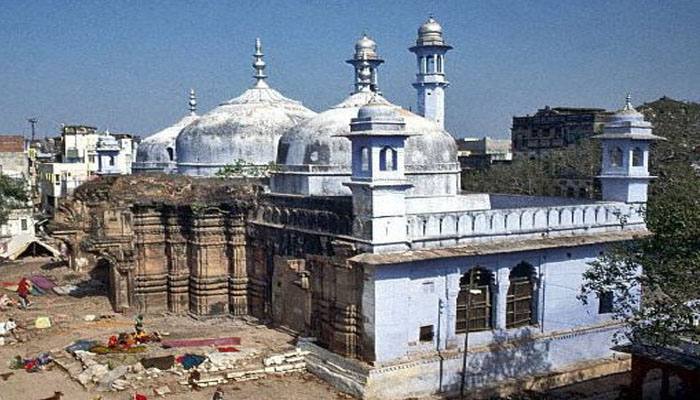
(212, 246)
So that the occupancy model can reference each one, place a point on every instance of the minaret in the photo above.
(378, 181)
(366, 61)
(259, 66)
(625, 171)
(192, 103)
(430, 82)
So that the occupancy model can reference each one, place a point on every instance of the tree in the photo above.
(12, 195)
(523, 176)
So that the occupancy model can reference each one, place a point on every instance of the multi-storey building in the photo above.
(555, 128)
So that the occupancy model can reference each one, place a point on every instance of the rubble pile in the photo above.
(218, 370)
(127, 372)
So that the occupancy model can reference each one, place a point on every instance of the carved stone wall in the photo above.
(280, 258)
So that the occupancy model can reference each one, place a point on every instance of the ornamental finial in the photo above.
(259, 65)
(628, 102)
(193, 102)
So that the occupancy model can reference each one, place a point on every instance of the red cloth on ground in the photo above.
(139, 396)
(228, 350)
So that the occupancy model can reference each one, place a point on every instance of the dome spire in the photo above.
(259, 65)
(628, 102)
(192, 103)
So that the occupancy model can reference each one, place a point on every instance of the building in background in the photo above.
(13, 157)
(16, 164)
(555, 128)
(83, 154)
(481, 153)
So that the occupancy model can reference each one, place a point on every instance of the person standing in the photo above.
(23, 292)
(219, 394)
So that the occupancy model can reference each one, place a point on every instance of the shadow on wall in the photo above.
(511, 358)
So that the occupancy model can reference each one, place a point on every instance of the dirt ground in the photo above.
(67, 314)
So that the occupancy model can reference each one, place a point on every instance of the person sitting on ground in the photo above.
(194, 377)
(138, 325)
(219, 394)
(23, 289)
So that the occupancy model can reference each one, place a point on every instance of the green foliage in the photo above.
(526, 177)
(243, 169)
(12, 195)
(537, 177)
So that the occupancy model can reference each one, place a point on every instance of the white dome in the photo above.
(246, 128)
(314, 146)
(158, 152)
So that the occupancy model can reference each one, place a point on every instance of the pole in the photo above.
(33, 122)
(466, 334)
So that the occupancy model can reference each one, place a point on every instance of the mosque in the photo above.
(363, 243)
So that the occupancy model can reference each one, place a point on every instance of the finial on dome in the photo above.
(628, 102)
(259, 65)
(193, 102)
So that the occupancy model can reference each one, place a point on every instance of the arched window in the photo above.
(616, 157)
(637, 157)
(364, 159)
(431, 64)
(387, 159)
(111, 160)
(480, 317)
(171, 153)
(520, 298)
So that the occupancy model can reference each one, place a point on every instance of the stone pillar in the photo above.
(238, 276)
(502, 285)
(151, 277)
(178, 268)
(450, 310)
(208, 263)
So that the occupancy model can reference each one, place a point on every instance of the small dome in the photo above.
(379, 110)
(365, 48)
(157, 152)
(627, 114)
(430, 34)
(430, 27)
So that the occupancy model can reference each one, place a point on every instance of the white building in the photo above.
(85, 155)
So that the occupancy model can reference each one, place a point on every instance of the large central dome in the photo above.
(246, 128)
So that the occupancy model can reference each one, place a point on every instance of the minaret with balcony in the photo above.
(430, 81)
(378, 180)
(366, 62)
(626, 140)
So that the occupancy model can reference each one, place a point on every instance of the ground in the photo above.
(68, 313)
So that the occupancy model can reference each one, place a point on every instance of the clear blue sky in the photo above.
(127, 65)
